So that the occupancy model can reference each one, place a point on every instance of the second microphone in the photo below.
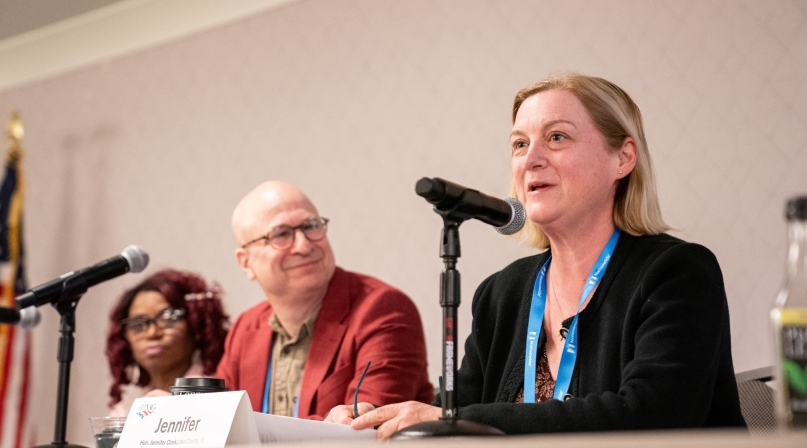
(506, 215)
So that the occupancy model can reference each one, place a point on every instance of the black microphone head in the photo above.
(518, 217)
(431, 189)
(29, 317)
(137, 257)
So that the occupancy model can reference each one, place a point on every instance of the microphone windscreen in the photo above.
(518, 217)
(29, 317)
(137, 257)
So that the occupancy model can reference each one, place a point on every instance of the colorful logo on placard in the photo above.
(145, 410)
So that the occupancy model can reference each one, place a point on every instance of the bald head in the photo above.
(297, 275)
(262, 203)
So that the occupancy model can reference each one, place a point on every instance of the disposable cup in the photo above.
(107, 430)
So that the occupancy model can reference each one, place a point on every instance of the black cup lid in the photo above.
(797, 208)
(199, 382)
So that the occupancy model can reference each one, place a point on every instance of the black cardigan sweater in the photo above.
(654, 346)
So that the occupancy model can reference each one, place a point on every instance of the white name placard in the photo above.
(201, 420)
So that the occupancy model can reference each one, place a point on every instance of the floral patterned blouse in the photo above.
(544, 384)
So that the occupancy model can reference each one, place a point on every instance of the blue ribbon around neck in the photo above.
(569, 355)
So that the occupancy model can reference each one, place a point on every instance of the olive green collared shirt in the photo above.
(288, 364)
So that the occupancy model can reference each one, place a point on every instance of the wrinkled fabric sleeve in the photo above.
(392, 338)
(228, 365)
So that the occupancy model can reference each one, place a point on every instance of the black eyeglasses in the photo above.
(166, 318)
(282, 237)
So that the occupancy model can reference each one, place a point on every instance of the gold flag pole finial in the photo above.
(14, 135)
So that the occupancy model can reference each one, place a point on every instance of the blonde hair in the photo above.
(616, 116)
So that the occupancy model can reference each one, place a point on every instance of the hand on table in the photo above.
(393, 417)
(344, 413)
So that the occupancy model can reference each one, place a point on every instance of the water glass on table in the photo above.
(107, 430)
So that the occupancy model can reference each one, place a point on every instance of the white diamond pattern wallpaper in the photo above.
(355, 100)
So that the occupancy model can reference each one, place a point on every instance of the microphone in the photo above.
(506, 215)
(132, 259)
(26, 318)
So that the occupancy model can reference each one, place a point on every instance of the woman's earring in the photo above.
(135, 373)
(620, 171)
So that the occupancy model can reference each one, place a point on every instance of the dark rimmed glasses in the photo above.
(282, 237)
(166, 318)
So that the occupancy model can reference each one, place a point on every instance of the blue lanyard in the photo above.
(268, 386)
(265, 407)
(569, 355)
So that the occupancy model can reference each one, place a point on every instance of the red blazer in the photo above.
(362, 319)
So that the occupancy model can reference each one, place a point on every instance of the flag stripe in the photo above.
(7, 365)
(26, 387)
(12, 418)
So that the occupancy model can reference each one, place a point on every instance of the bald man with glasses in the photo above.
(305, 348)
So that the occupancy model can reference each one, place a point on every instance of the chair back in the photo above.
(757, 400)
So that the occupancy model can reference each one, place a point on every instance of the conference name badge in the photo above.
(218, 419)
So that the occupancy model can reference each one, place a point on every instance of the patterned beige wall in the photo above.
(354, 100)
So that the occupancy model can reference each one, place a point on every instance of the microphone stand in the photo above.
(449, 424)
(72, 290)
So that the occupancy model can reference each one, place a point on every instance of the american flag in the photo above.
(15, 343)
